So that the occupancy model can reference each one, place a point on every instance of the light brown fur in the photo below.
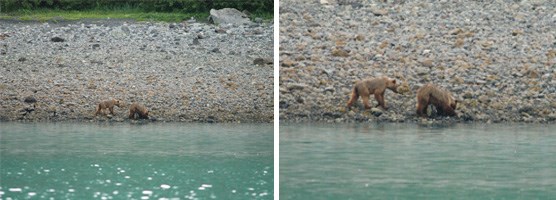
(376, 86)
(109, 104)
(441, 99)
(139, 110)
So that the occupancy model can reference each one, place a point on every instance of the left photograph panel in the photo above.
(136, 99)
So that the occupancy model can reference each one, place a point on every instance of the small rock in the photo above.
(360, 37)
(468, 117)
(296, 86)
(379, 12)
(258, 20)
(300, 100)
(220, 30)
(172, 25)
(551, 117)
(340, 53)
(30, 99)
(22, 59)
(332, 114)
(215, 50)
(526, 109)
(467, 95)
(484, 99)
(376, 112)
(427, 63)
(283, 105)
(196, 41)
(263, 61)
(125, 29)
(96, 46)
(328, 72)
(287, 63)
(57, 39)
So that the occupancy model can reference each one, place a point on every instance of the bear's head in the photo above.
(391, 84)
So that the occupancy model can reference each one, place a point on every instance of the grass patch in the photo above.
(47, 14)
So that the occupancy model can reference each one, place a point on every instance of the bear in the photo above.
(376, 86)
(108, 104)
(442, 100)
(136, 109)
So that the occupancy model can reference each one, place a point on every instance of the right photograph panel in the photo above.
(408, 99)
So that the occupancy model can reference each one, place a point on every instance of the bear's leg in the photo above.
(380, 98)
(422, 106)
(353, 98)
(98, 110)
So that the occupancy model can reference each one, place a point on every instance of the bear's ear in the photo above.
(394, 81)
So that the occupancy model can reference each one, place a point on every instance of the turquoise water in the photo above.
(356, 161)
(123, 161)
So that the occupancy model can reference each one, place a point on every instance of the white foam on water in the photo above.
(126, 176)
(201, 188)
(251, 189)
(95, 165)
(51, 190)
(115, 192)
(206, 185)
(108, 181)
(145, 197)
(263, 194)
(164, 186)
(32, 193)
(149, 178)
(46, 170)
(147, 192)
(71, 190)
(14, 189)
(210, 171)
(233, 191)
(1, 193)
(118, 184)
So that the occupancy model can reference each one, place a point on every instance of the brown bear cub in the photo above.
(441, 99)
(376, 86)
(139, 110)
(109, 104)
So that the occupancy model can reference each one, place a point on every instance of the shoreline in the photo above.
(497, 58)
(188, 72)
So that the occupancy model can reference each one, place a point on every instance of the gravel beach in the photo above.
(189, 71)
(497, 57)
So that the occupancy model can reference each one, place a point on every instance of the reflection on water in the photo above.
(153, 161)
(405, 161)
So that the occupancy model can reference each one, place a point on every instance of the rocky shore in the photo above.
(497, 57)
(190, 71)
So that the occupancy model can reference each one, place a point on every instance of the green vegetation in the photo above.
(141, 10)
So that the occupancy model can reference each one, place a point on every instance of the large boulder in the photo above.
(228, 16)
